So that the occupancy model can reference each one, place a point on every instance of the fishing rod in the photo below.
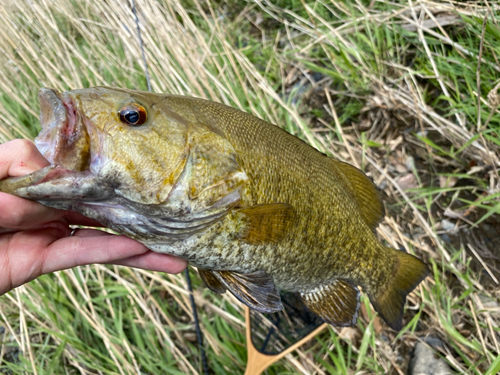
(199, 334)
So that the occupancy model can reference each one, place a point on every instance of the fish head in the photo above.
(129, 150)
(118, 136)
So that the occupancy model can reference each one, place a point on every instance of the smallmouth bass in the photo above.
(254, 208)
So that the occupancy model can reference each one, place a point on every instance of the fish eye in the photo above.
(133, 114)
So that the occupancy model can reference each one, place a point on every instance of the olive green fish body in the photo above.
(253, 207)
(330, 238)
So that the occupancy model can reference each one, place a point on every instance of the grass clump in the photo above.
(407, 91)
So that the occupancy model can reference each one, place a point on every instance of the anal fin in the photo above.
(211, 281)
(337, 303)
(256, 289)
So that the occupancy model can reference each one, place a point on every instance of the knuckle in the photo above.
(42, 264)
(19, 214)
(76, 247)
(24, 147)
(17, 219)
(6, 269)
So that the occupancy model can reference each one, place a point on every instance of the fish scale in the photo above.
(255, 208)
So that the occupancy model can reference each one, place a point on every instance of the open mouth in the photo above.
(64, 139)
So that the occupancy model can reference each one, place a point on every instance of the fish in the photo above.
(254, 208)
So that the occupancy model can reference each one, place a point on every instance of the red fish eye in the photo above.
(133, 114)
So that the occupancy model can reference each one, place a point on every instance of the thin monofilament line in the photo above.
(141, 44)
(186, 272)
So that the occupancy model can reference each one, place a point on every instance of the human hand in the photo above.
(35, 240)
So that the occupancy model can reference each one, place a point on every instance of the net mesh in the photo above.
(273, 333)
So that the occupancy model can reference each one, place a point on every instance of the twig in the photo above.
(199, 335)
(482, 263)
(493, 334)
(478, 328)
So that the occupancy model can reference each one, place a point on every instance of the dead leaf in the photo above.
(407, 181)
(400, 168)
(447, 181)
(377, 325)
(349, 333)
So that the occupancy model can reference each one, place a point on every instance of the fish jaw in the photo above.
(57, 184)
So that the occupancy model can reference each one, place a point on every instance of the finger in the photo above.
(85, 232)
(30, 254)
(20, 157)
(24, 214)
(148, 261)
(74, 218)
(154, 262)
(24, 253)
(20, 213)
(89, 246)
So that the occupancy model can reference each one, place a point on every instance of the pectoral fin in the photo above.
(337, 303)
(211, 281)
(267, 223)
(256, 289)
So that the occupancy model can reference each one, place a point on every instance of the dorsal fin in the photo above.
(366, 193)
(211, 281)
(266, 223)
(256, 289)
(336, 303)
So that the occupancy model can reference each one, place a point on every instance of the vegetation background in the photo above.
(405, 90)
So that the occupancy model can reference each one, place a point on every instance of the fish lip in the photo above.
(64, 138)
(53, 115)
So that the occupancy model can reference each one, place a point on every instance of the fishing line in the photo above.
(141, 44)
(199, 335)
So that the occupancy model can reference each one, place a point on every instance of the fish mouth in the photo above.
(65, 142)
(64, 139)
